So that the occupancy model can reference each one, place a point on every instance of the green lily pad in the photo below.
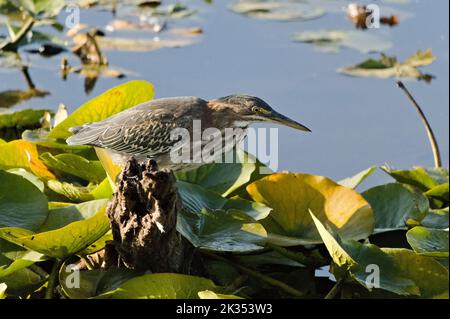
(400, 271)
(223, 178)
(440, 192)
(436, 218)
(354, 181)
(291, 196)
(105, 105)
(429, 242)
(28, 176)
(161, 286)
(75, 165)
(222, 230)
(196, 198)
(23, 154)
(62, 242)
(387, 67)
(22, 204)
(63, 216)
(277, 10)
(22, 119)
(72, 192)
(395, 206)
(92, 282)
(420, 177)
(333, 40)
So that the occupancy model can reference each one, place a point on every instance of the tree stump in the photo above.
(143, 215)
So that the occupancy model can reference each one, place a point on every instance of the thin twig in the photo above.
(269, 280)
(431, 137)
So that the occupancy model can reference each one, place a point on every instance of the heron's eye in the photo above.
(256, 109)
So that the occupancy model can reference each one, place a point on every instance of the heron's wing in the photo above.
(133, 132)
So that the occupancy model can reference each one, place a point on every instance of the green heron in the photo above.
(144, 131)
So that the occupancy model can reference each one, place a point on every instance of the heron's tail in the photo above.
(84, 135)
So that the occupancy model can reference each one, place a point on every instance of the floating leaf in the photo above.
(161, 286)
(333, 40)
(223, 178)
(212, 222)
(221, 230)
(28, 176)
(23, 154)
(25, 119)
(62, 242)
(436, 218)
(379, 69)
(22, 204)
(428, 242)
(75, 165)
(420, 177)
(276, 10)
(92, 282)
(292, 196)
(395, 206)
(354, 181)
(401, 271)
(72, 192)
(105, 105)
(62, 216)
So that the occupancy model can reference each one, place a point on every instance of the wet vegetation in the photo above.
(278, 235)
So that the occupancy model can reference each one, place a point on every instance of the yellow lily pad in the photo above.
(291, 196)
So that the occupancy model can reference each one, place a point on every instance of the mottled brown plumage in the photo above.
(144, 131)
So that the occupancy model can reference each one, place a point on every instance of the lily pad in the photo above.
(223, 178)
(428, 242)
(22, 204)
(277, 10)
(61, 242)
(161, 286)
(195, 198)
(220, 230)
(387, 67)
(333, 40)
(72, 192)
(105, 105)
(23, 154)
(291, 196)
(420, 177)
(75, 165)
(401, 271)
(354, 181)
(396, 206)
(436, 218)
(62, 216)
(28, 176)
(24, 119)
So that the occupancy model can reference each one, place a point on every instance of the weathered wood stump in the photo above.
(143, 215)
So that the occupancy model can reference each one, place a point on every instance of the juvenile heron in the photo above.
(144, 131)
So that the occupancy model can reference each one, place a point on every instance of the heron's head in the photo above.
(246, 108)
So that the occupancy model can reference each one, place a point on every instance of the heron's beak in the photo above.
(278, 118)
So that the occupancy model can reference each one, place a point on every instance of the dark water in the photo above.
(356, 122)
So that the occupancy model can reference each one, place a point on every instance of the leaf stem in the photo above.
(269, 280)
(314, 260)
(53, 279)
(430, 133)
(335, 290)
